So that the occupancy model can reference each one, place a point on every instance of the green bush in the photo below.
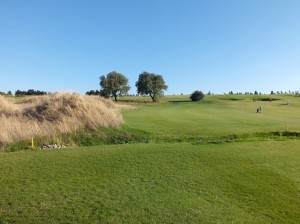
(197, 95)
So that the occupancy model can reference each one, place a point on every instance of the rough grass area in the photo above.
(24, 118)
(153, 183)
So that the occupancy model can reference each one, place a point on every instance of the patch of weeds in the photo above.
(13, 147)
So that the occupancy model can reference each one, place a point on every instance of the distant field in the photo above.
(216, 115)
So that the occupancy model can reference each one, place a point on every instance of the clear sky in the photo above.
(211, 45)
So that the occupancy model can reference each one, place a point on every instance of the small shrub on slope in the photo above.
(197, 95)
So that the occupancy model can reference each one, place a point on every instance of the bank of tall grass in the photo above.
(38, 116)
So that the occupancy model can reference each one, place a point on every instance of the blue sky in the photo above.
(212, 45)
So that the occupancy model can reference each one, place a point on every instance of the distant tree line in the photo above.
(92, 92)
(259, 93)
(115, 84)
(9, 93)
(30, 92)
(281, 92)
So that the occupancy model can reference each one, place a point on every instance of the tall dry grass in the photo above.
(56, 114)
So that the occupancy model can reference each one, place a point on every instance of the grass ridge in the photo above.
(134, 136)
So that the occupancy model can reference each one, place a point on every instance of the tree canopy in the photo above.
(114, 84)
(151, 84)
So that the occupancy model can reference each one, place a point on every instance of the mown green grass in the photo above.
(201, 180)
(153, 183)
(215, 116)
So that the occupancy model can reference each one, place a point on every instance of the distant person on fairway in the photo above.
(259, 110)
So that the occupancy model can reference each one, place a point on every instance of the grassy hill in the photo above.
(216, 116)
(187, 172)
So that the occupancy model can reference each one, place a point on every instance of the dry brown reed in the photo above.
(55, 114)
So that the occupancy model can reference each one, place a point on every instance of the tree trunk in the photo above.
(153, 97)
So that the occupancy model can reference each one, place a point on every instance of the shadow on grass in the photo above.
(231, 99)
(189, 101)
(135, 101)
(284, 104)
(267, 99)
(180, 101)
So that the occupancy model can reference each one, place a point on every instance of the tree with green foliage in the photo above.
(197, 95)
(151, 84)
(114, 84)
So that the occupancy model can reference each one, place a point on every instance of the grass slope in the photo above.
(153, 183)
(215, 116)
